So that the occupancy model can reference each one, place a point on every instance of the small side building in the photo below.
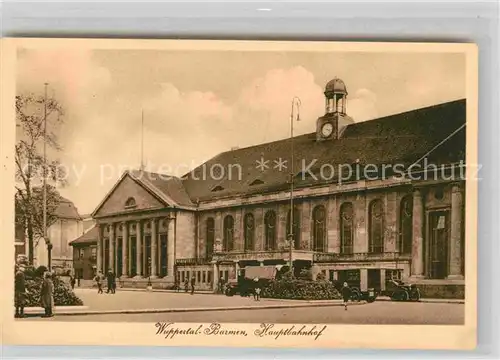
(85, 254)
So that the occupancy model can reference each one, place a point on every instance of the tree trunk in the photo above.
(30, 242)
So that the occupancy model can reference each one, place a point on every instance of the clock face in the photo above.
(327, 129)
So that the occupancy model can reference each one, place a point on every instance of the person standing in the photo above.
(256, 290)
(47, 294)
(221, 284)
(98, 279)
(109, 281)
(346, 294)
(19, 292)
(113, 283)
(72, 281)
(186, 285)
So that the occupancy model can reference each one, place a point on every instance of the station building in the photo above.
(371, 200)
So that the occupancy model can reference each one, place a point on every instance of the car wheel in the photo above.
(355, 296)
(415, 295)
(405, 296)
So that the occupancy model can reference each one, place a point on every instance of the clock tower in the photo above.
(330, 125)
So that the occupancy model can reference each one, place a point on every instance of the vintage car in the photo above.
(357, 293)
(249, 278)
(397, 290)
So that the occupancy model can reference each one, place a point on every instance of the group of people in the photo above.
(20, 293)
(110, 279)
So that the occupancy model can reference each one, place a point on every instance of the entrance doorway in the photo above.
(437, 254)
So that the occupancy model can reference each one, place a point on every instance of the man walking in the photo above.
(109, 281)
(192, 285)
(19, 292)
(346, 294)
(98, 282)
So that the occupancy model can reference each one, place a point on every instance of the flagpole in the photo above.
(142, 140)
(44, 180)
(295, 101)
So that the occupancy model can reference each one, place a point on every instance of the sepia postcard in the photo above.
(239, 193)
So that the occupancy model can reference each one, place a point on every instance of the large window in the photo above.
(228, 241)
(346, 228)
(249, 231)
(296, 228)
(319, 228)
(210, 237)
(406, 225)
(376, 227)
(270, 228)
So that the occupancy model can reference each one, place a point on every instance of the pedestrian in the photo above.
(221, 284)
(109, 280)
(177, 284)
(98, 279)
(113, 283)
(186, 285)
(346, 294)
(256, 290)
(78, 279)
(20, 292)
(47, 294)
(192, 285)
(72, 281)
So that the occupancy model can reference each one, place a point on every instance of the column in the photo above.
(363, 277)
(99, 248)
(215, 277)
(332, 223)
(361, 224)
(112, 247)
(391, 216)
(171, 247)
(129, 247)
(455, 270)
(154, 239)
(125, 268)
(138, 248)
(417, 255)
(236, 269)
(382, 279)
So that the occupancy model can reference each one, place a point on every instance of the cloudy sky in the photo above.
(199, 103)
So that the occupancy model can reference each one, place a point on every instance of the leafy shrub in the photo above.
(306, 274)
(63, 295)
(320, 277)
(299, 289)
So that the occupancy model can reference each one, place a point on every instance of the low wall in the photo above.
(442, 291)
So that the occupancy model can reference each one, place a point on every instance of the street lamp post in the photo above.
(295, 104)
(47, 241)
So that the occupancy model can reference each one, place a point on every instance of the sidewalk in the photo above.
(428, 300)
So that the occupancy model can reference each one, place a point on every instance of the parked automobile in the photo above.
(357, 294)
(246, 282)
(397, 290)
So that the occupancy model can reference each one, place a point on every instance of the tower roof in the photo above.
(336, 85)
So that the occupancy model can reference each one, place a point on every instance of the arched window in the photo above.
(296, 228)
(406, 225)
(319, 228)
(210, 237)
(228, 241)
(270, 229)
(346, 228)
(130, 202)
(249, 231)
(376, 227)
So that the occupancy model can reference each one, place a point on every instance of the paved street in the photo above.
(382, 312)
(134, 300)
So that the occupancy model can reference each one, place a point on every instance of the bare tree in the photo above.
(31, 164)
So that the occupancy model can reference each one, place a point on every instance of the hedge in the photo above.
(63, 295)
(299, 289)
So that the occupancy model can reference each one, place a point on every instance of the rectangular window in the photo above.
(331, 275)
(226, 275)
(94, 251)
(209, 276)
(198, 276)
(204, 276)
(81, 254)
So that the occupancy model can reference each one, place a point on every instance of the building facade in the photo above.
(61, 232)
(373, 200)
(85, 254)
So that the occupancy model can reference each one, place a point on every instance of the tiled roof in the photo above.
(403, 138)
(89, 237)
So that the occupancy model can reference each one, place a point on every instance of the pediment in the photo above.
(129, 195)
